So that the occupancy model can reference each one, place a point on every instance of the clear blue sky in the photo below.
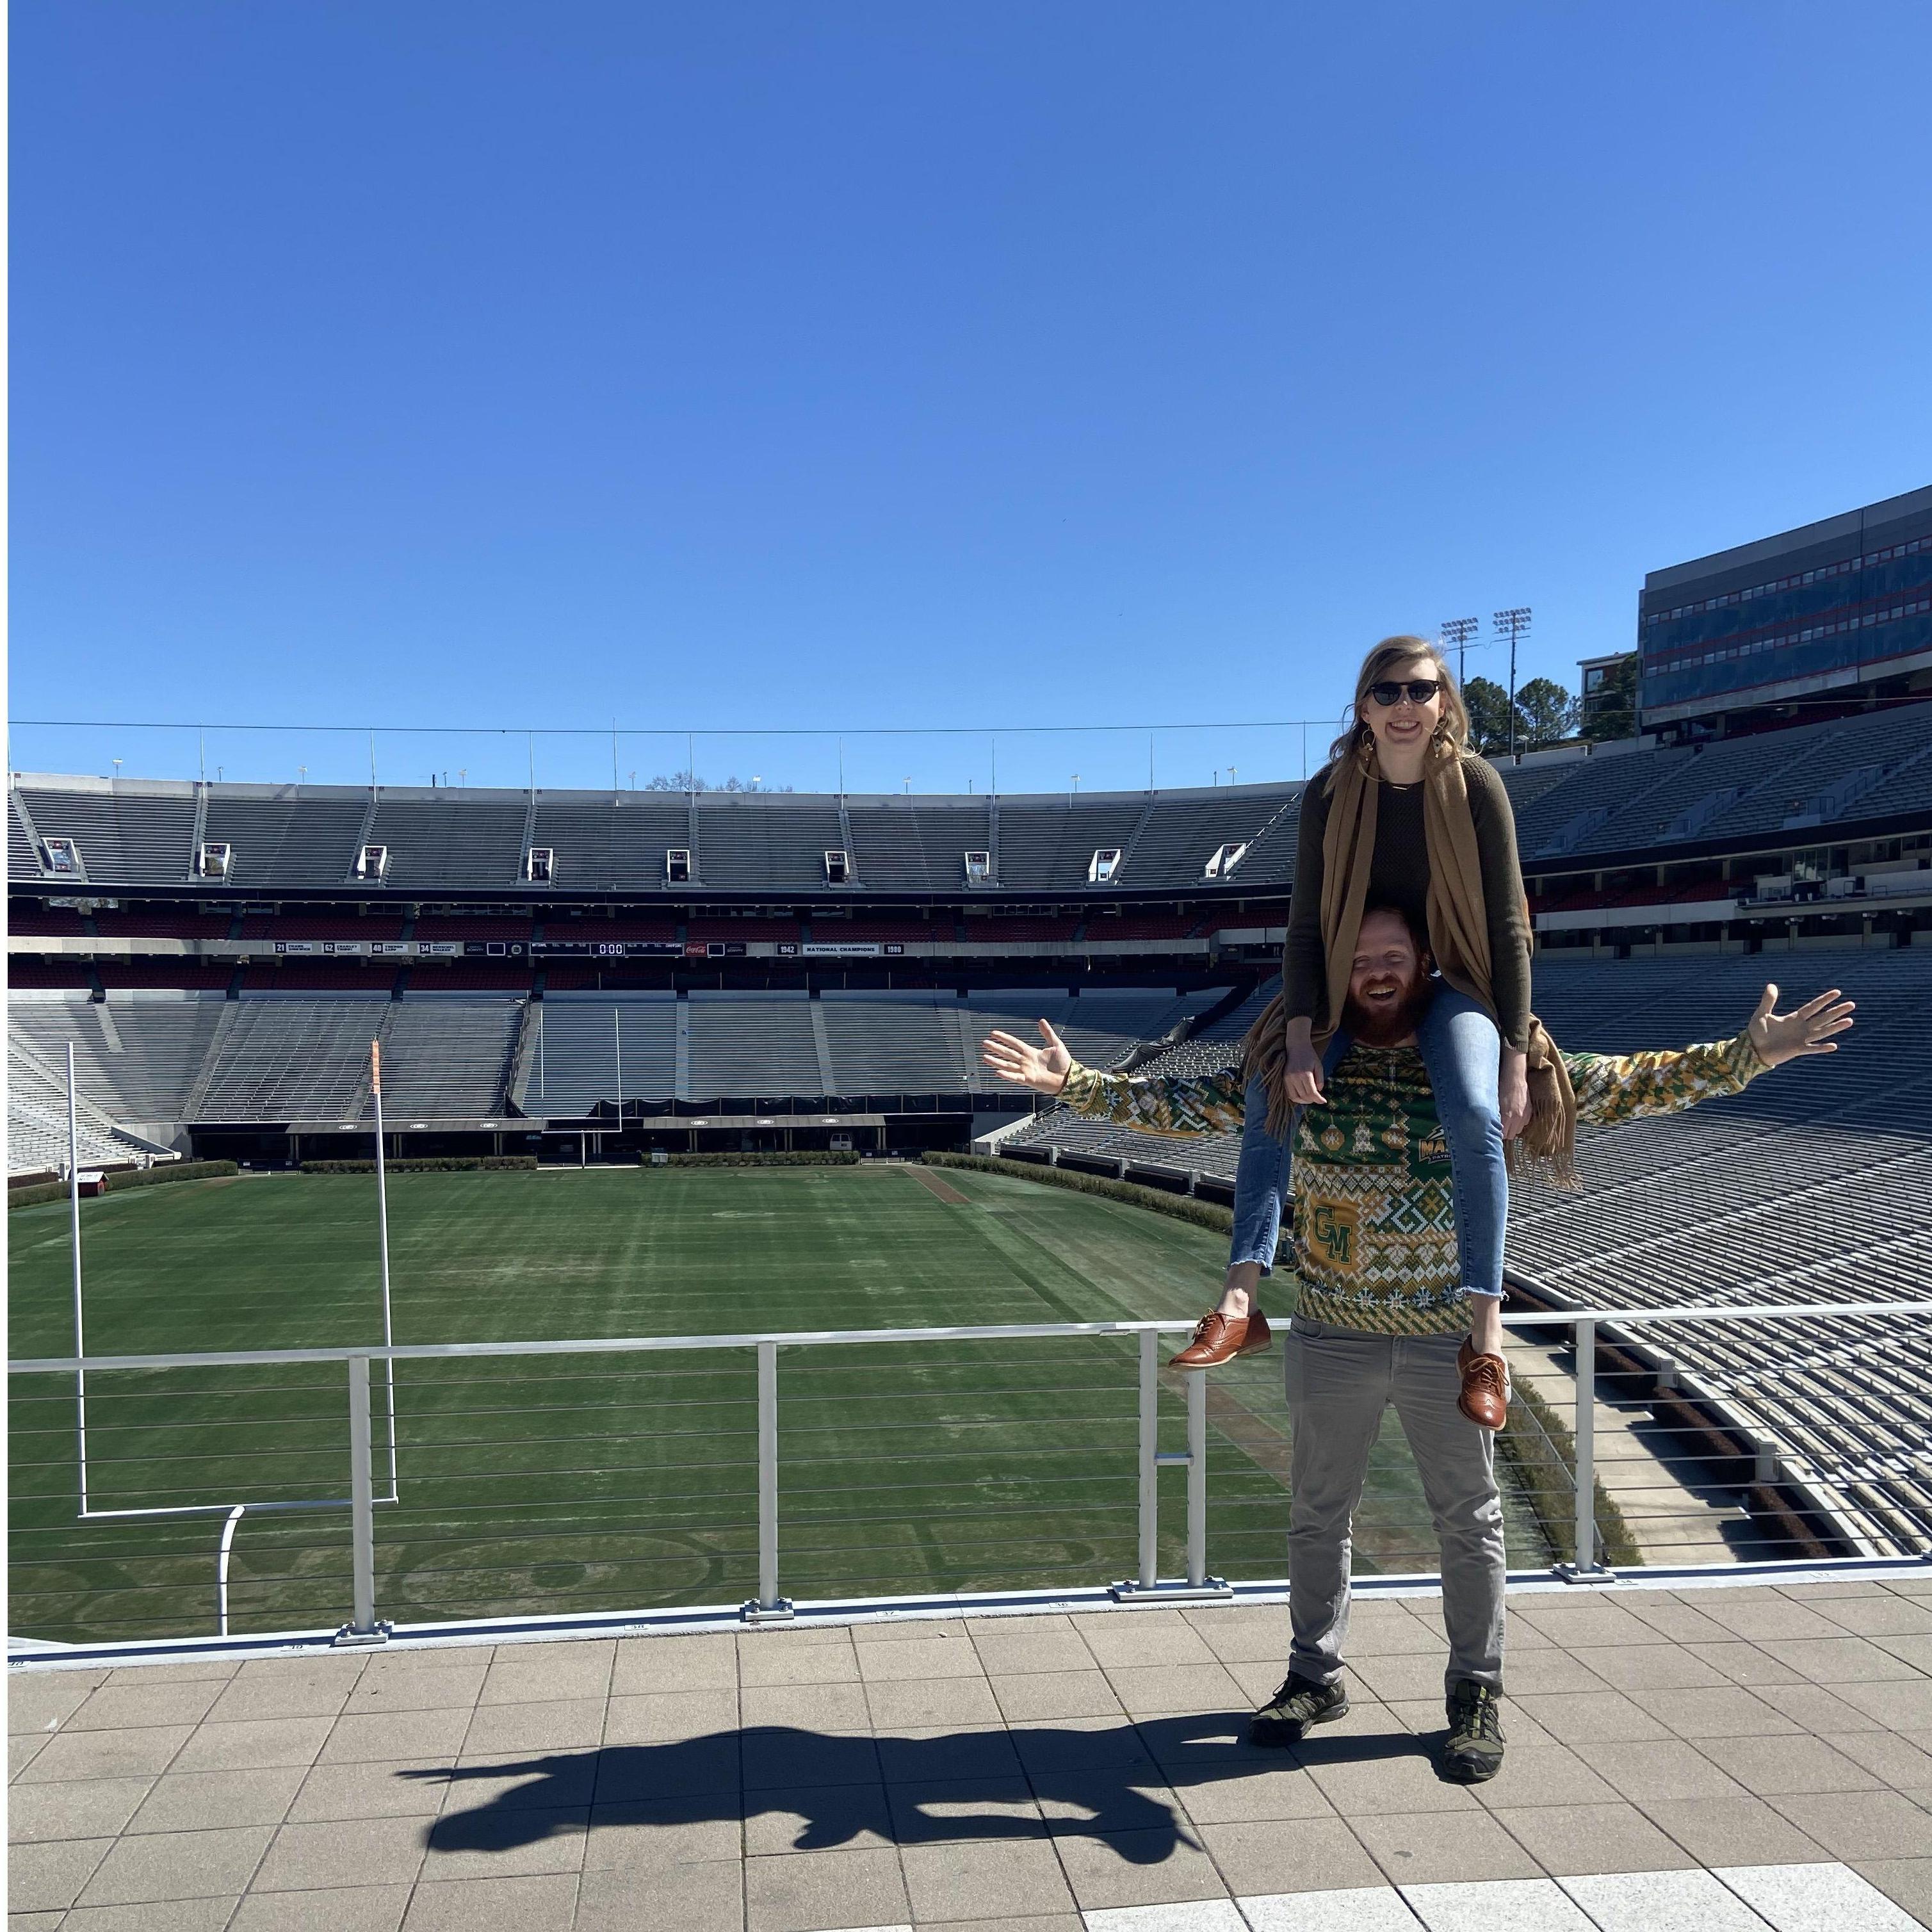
(902, 365)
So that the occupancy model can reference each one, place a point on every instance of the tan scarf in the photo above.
(1459, 934)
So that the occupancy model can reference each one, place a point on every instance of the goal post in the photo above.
(230, 1510)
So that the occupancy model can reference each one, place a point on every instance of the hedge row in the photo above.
(429, 1164)
(135, 1176)
(819, 1158)
(1176, 1207)
(34, 1193)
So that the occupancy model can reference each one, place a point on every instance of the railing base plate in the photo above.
(780, 1612)
(350, 1638)
(1571, 1573)
(1212, 1590)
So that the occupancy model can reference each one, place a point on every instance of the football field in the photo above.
(564, 1482)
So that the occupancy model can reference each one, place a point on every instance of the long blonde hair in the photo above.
(1358, 738)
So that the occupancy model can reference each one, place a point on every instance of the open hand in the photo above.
(1043, 1068)
(1804, 1030)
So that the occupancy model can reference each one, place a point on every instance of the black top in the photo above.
(1398, 875)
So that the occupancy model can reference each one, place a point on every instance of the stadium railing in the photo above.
(75, 1598)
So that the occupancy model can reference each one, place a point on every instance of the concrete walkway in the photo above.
(1046, 1773)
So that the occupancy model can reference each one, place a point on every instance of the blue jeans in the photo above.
(1462, 1051)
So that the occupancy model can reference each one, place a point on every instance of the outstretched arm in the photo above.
(1164, 1104)
(1634, 1086)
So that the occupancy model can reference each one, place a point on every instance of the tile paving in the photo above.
(1044, 1774)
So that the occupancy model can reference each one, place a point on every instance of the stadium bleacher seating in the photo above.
(568, 1063)
(447, 1056)
(319, 976)
(602, 846)
(469, 976)
(122, 834)
(322, 925)
(1870, 767)
(1140, 925)
(1781, 1171)
(884, 931)
(1000, 926)
(450, 838)
(44, 973)
(202, 974)
(283, 838)
(159, 922)
(1813, 1185)
(765, 1045)
(137, 1054)
(50, 921)
(473, 925)
(760, 839)
(280, 1056)
(913, 844)
(750, 928)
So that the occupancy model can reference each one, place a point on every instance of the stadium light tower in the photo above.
(1513, 624)
(1454, 634)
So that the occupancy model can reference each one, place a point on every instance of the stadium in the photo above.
(574, 994)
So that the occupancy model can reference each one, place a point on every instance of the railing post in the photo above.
(1584, 1436)
(1150, 1487)
(1197, 1481)
(768, 1607)
(1193, 1459)
(363, 1629)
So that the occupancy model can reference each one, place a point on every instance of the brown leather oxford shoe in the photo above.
(1219, 1338)
(1485, 1396)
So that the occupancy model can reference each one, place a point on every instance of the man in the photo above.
(1382, 1318)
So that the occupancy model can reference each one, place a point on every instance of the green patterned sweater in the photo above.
(1374, 1235)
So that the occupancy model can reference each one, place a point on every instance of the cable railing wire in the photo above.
(824, 1450)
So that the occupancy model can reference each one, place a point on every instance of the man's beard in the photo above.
(1384, 1025)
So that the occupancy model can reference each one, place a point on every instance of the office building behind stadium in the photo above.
(1819, 622)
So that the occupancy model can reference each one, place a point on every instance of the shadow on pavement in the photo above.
(1110, 1780)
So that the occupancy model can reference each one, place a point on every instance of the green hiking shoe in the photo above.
(1474, 1751)
(1299, 1703)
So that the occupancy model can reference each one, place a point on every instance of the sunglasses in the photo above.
(1420, 691)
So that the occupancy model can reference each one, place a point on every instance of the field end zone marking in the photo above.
(943, 1190)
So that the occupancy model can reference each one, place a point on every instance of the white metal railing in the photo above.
(364, 1626)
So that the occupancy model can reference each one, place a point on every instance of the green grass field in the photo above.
(610, 1483)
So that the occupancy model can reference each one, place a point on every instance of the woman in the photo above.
(1404, 815)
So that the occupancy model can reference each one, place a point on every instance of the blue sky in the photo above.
(883, 368)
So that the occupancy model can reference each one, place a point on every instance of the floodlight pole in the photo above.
(382, 1230)
(1456, 632)
(73, 1221)
(1513, 623)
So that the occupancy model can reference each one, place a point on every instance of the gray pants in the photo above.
(1340, 1381)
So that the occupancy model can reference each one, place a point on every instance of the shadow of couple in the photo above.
(1116, 1780)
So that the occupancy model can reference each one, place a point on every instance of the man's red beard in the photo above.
(1382, 1023)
